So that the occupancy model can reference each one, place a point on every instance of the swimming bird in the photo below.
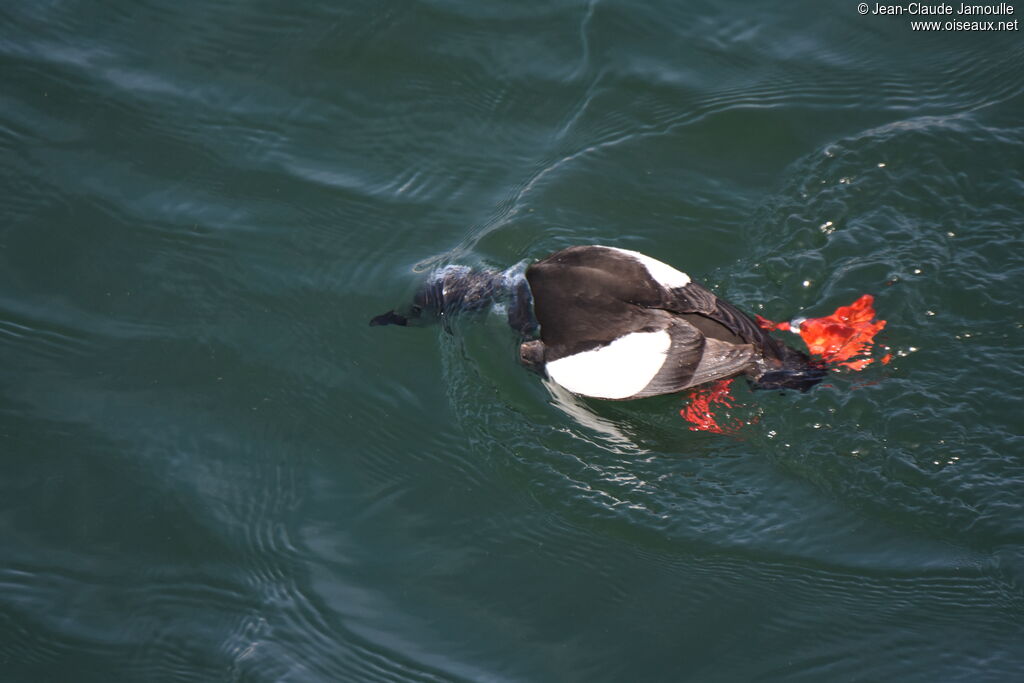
(616, 324)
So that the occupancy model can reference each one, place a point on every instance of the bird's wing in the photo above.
(693, 359)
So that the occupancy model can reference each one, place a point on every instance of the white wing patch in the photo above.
(619, 370)
(663, 274)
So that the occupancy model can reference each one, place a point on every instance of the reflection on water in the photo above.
(610, 434)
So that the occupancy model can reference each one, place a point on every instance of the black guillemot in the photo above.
(616, 324)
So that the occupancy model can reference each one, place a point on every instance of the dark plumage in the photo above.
(673, 332)
(616, 324)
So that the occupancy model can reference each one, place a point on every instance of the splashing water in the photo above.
(844, 338)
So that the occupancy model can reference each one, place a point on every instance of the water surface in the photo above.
(213, 469)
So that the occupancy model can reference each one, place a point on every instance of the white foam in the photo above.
(662, 273)
(513, 275)
(619, 370)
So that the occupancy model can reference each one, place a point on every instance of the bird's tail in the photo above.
(794, 370)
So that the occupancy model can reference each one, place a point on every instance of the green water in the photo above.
(213, 469)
